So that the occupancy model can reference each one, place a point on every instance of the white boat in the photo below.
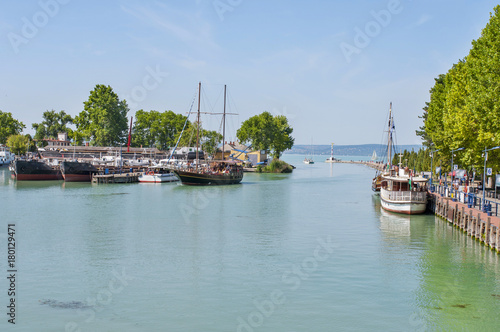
(400, 190)
(309, 161)
(155, 177)
(137, 161)
(330, 159)
(6, 157)
(402, 193)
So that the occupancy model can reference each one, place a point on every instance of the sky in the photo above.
(330, 66)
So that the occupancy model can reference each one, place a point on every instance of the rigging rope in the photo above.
(184, 127)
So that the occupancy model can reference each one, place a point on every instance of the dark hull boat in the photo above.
(220, 174)
(217, 172)
(73, 171)
(32, 170)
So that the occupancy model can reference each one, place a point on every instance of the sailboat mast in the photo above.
(198, 128)
(224, 125)
(389, 139)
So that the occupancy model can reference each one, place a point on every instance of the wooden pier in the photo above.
(116, 178)
(473, 222)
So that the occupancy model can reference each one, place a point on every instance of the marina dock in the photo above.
(479, 225)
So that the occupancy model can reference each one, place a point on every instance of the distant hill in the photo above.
(349, 150)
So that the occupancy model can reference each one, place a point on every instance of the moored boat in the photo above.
(377, 182)
(74, 171)
(403, 193)
(157, 177)
(6, 157)
(215, 173)
(400, 190)
(31, 170)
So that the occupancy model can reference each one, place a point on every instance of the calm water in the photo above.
(309, 251)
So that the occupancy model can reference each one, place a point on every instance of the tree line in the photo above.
(464, 107)
(103, 122)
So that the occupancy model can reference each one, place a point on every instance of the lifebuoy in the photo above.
(150, 173)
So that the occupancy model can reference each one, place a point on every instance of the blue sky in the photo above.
(332, 67)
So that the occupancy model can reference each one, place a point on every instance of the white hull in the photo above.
(407, 202)
(158, 178)
(6, 157)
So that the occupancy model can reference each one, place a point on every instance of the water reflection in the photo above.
(459, 284)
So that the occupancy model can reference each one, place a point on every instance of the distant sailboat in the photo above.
(374, 155)
(309, 161)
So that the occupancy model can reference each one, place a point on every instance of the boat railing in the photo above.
(405, 196)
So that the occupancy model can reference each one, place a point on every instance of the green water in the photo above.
(308, 251)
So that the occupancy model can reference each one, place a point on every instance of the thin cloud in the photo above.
(193, 32)
(422, 20)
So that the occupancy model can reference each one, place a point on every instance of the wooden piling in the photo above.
(479, 226)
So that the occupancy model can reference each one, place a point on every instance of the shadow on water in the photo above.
(37, 184)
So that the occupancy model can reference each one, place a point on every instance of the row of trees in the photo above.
(464, 107)
(103, 122)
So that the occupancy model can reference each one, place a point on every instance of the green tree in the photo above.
(104, 118)
(157, 129)
(483, 64)
(282, 138)
(211, 140)
(18, 144)
(170, 128)
(464, 109)
(265, 132)
(52, 124)
(9, 126)
(145, 126)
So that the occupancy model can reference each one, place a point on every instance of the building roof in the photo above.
(235, 146)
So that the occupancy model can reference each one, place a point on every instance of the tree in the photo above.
(157, 129)
(282, 139)
(265, 132)
(104, 118)
(145, 125)
(208, 139)
(9, 126)
(18, 144)
(211, 140)
(52, 124)
(170, 128)
(464, 110)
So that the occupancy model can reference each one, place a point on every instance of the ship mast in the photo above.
(389, 140)
(224, 125)
(198, 128)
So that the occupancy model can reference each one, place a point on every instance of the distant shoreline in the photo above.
(348, 150)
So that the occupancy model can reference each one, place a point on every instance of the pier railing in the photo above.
(405, 196)
(473, 198)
